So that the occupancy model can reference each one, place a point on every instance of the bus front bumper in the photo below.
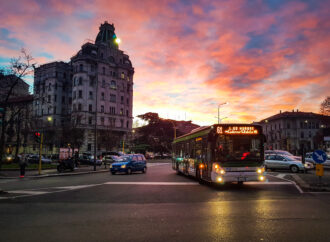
(237, 177)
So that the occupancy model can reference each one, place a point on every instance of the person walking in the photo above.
(22, 164)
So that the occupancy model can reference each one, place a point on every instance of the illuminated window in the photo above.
(113, 85)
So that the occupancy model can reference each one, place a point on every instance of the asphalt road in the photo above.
(159, 206)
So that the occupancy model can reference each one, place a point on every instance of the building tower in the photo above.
(102, 90)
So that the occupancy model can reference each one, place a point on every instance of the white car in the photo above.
(284, 162)
(281, 152)
(309, 158)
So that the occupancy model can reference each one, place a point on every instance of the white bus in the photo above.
(221, 153)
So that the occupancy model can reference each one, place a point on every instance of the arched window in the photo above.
(81, 67)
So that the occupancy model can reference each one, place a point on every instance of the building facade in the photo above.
(293, 131)
(93, 92)
(16, 99)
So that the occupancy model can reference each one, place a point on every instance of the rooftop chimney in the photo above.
(293, 110)
(280, 111)
(297, 110)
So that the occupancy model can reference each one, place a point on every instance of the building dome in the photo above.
(107, 35)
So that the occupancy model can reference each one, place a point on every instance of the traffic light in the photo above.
(37, 137)
(1, 114)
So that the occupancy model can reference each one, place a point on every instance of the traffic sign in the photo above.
(319, 170)
(319, 156)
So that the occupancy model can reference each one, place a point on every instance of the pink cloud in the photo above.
(188, 58)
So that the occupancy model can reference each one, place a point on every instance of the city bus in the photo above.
(221, 153)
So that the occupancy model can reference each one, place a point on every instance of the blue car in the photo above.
(129, 164)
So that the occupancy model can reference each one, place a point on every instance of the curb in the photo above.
(301, 183)
(58, 174)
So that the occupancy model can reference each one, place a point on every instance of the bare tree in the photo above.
(325, 106)
(10, 77)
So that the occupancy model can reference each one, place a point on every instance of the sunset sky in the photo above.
(189, 56)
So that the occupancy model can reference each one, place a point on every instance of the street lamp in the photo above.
(219, 110)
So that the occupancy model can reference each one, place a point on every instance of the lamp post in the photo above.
(174, 129)
(219, 110)
(49, 119)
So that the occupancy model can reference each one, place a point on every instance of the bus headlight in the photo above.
(222, 172)
(260, 170)
(219, 179)
(261, 178)
(123, 166)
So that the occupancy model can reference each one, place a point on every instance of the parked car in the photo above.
(111, 159)
(129, 164)
(284, 162)
(281, 152)
(35, 159)
(88, 159)
(309, 158)
(112, 153)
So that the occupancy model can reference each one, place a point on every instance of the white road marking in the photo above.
(281, 175)
(268, 183)
(292, 182)
(30, 192)
(154, 183)
(77, 187)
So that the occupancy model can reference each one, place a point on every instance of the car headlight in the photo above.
(123, 166)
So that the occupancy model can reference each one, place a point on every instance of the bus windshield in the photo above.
(238, 149)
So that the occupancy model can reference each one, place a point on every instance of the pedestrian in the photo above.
(105, 163)
(22, 165)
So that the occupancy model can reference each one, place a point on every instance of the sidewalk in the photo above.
(11, 174)
(310, 181)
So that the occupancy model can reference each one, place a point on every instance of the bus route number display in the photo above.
(236, 130)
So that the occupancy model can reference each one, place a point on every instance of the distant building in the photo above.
(16, 99)
(20, 87)
(52, 93)
(294, 130)
(94, 91)
(19, 124)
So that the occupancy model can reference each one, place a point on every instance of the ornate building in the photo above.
(93, 93)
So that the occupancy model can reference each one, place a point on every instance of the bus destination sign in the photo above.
(236, 130)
